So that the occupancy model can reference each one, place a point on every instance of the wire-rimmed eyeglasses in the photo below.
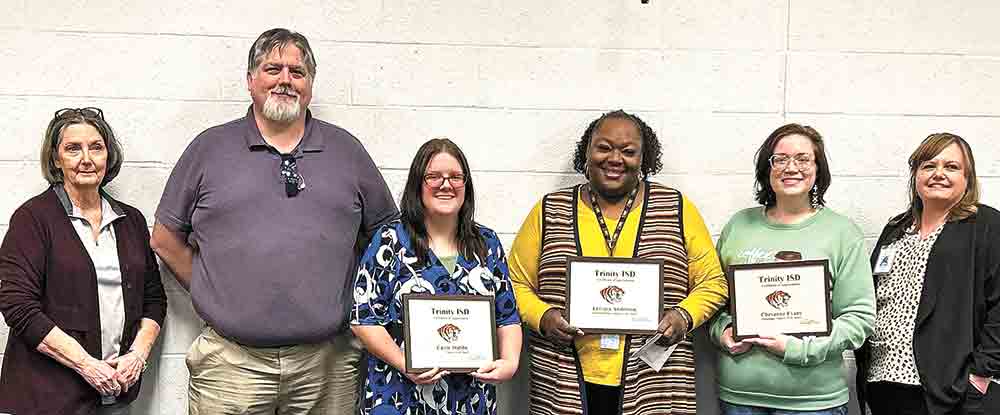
(802, 161)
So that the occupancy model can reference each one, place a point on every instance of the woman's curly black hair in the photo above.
(651, 152)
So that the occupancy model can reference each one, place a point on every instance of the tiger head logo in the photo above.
(449, 332)
(778, 299)
(613, 294)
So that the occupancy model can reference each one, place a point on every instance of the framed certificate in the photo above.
(788, 297)
(457, 333)
(614, 295)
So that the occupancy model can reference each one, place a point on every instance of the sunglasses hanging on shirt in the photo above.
(294, 182)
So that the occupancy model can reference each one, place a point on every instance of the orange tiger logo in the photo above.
(449, 332)
(778, 299)
(613, 294)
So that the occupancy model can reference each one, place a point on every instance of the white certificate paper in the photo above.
(790, 298)
(614, 295)
(452, 332)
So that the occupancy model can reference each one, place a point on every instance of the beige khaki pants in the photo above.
(229, 378)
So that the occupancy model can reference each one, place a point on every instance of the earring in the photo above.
(814, 197)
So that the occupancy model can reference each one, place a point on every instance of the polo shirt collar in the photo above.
(106, 201)
(310, 142)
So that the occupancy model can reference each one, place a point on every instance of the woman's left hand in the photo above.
(673, 326)
(774, 344)
(128, 368)
(497, 371)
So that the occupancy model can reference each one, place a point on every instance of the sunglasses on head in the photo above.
(86, 112)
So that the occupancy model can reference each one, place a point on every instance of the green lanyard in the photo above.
(610, 240)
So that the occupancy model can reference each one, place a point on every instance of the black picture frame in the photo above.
(592, 329)
(736, 294)
(408, 335)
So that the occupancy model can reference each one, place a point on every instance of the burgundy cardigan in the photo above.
(46, 280)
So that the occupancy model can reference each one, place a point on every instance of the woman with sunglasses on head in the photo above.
(936, 346)
(436, 247)
(776, 373)
(81, 289)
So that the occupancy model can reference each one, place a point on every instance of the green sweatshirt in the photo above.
(810, 376)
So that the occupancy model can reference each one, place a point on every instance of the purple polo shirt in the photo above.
(269, 269)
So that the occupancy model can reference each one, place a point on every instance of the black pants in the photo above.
(889, 398)
(603, 400)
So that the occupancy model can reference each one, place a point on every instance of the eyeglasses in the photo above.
(87, 112)
(436, 180)
(781, 162)
(294, 182)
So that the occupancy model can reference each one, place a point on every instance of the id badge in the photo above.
(886, 256)
(610, 341)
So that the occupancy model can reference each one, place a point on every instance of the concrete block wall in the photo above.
(514, 82)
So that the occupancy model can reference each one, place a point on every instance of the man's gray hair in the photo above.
(276, 39)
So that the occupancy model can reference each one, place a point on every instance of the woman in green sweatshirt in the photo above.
(781, 374)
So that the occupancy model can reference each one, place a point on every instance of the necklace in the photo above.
(612, 240)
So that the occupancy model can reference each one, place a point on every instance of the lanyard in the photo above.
(610, 240)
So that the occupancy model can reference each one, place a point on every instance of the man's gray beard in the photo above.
(277, 111)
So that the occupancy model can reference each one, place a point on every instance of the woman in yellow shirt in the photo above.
(618, 212)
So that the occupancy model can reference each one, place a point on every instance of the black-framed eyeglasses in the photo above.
(86, 112)
(294, 182)
(436, 180)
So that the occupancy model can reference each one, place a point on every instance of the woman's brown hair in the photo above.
(411, 207)
(933, 145)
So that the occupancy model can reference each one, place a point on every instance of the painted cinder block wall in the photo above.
(514, 82)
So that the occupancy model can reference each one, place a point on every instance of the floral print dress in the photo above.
(387, 270)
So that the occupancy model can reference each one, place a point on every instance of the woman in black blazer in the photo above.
(936, 346)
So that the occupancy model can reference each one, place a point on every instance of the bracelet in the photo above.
(687, 319)
(144, 364)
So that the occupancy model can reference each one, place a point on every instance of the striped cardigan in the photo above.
(557, 381)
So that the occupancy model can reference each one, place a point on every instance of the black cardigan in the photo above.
(957, 328)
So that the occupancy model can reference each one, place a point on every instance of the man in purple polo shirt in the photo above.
(261, 221)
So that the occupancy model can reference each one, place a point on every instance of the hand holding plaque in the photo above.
(731, 345)
(554, 327)
(496, 372)
(426, 377)
(775, 344)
